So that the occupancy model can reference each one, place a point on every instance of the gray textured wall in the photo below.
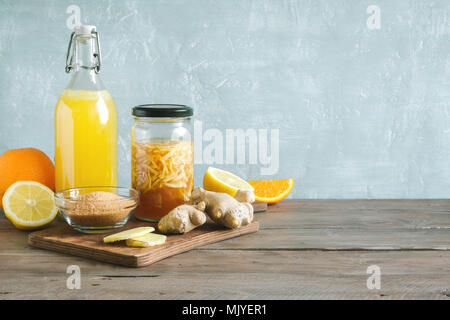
(361, 113)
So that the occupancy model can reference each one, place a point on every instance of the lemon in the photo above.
(29, 205)
(223, 181)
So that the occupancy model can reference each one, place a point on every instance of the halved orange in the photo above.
(272, 191)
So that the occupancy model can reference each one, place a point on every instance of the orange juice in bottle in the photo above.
(85, 120)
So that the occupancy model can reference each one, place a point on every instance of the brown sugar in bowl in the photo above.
(96, 209)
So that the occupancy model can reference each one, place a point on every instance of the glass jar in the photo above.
(162, 158)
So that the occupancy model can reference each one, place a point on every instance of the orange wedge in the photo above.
(272, 191)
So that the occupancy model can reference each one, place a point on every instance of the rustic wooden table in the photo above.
(305, 249)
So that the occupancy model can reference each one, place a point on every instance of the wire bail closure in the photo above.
(97, 54)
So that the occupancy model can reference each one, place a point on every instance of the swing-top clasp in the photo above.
(83, 30)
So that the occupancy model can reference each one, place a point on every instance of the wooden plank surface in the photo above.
(304, 249)
(64, 239)
(247, 275)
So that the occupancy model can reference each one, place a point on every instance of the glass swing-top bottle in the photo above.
(85, 119)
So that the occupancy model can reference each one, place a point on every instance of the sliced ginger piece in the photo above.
(147, 240)
(127, 234)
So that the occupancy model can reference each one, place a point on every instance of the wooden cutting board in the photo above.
(64, 239)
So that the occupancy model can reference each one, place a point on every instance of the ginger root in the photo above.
(224, 209)
(245, 196)
(182, 219)
(147, 240)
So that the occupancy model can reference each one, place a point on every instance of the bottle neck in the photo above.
(84, 76)
(84, 53)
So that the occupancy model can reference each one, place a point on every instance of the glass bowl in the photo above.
(96, 209)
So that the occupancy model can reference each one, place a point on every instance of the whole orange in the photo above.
(25, 164)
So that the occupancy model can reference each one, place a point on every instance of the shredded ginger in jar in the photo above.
(163, 171)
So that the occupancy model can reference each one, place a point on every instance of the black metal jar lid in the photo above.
(162, 111)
